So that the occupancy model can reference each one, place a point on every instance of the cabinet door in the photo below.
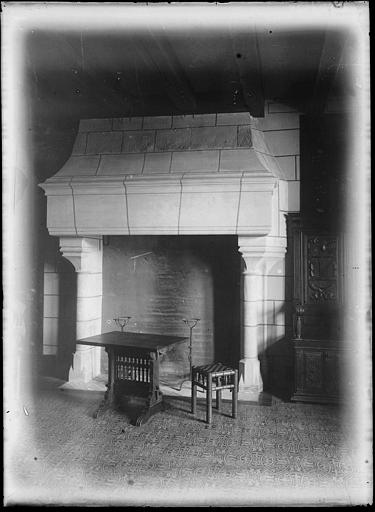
(313, 371)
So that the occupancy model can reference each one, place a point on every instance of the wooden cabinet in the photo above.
(317, 300)
(318, 369)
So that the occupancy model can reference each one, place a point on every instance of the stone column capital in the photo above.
(261, 253)
(84, 253)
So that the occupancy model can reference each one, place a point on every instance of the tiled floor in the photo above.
(275, 454)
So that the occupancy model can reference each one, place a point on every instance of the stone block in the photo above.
(51, 283)
(239, 160)
(80, 166)
(259, 142)
(89, 308)
(50, 331)
(277, 267)
(157, 122)
(128, 123)
(218, 209)
(194, 120)
(283, 195)
(176, 139)
(279, 121)
(252, 332)
(87, 328)
(280, 311)
(214, 137)
(298, 171)
(275, 333)
(233, 118)
(255, 212)
(95, 125)
(51, 306)
(269, 164)
(268, 312)
(79, 147)
(275, 212)
(91, 285)
(275, 288)
(121, 164)
(252, 285)
(195, 161)
(293, 196)
(110, 212)
(280, 331)
(153, 213)
(104, 142)
(251, 313)
(157, 163)
(283, 142)
(138, 142)
(244, 138)
(60, 212)
(287, 166)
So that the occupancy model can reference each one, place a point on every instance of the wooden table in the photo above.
(133, 371)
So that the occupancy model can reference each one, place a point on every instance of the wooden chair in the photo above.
(214, 377)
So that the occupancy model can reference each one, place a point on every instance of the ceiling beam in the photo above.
(247, 58)
(329, 63)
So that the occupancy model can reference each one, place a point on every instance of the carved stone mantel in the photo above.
(180, 204)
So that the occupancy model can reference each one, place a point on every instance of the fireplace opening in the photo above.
(160, 280)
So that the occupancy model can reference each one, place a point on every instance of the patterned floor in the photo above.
(278, 454)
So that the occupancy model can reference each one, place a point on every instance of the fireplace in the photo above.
(182, 197)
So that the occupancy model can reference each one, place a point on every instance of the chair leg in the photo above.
(235, 394)
(218, 400)
(209, 399)
(193, 397)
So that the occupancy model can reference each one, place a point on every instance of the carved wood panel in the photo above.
(321, 269)
(313, 371)
(317, 296)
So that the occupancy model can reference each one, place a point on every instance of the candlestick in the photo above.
(122, 321)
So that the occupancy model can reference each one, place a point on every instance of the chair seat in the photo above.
(214, 368)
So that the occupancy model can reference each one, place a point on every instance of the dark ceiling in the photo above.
(161, 71)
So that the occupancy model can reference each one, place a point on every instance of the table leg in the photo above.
(218, 400)
(193, 398)
(235, 394)
(143, 416)
(209, 399)
(108, 399)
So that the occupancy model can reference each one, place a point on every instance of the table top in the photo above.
(132, 339)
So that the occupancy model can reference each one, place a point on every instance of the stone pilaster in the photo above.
(86, 255)
(259, 256)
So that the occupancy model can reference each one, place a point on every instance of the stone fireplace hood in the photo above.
(207, 174)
